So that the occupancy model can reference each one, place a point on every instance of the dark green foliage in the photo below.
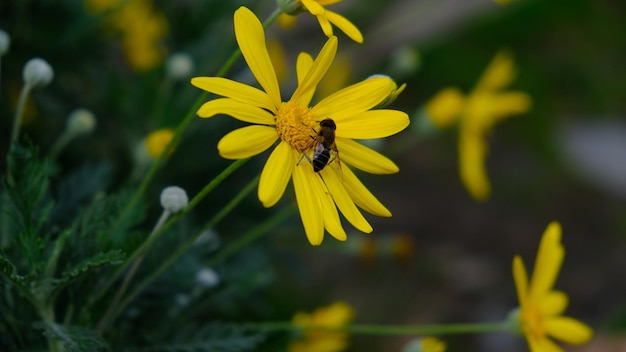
(77, 339)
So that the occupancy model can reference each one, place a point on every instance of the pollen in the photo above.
(296, 126)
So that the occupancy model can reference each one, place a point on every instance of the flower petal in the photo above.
(472, 154)
(302, 95)
(354, 99)
(361, 195)
(251, 41)
(548, 263)
(568, 330)
(325, 25)
(521, 280)
(276, 174)
(364, 158)
(303, 66)
(500, 72)
(240, 92)
(238, 110)
(246, 142)
(542, 344)
(304, 184)
(509, 103)
(313, 7)
(332, 223)
(343, 200)
(372, 124)
(554, 303)
(346, 26)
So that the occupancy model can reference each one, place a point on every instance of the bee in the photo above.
(324, 145)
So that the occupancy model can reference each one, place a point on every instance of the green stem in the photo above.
(173, 258)
(151, 239)
(18, 114)
(373, 329)
(183, 125)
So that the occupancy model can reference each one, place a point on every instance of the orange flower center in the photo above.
(531, 320)
(296, 126)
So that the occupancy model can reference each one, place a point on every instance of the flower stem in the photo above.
(373, 329)
(18, 114)
(173, 258)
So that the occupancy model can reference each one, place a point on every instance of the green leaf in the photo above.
(76, 339)
(8, 270)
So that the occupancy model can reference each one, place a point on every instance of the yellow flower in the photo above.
(296, 125)
(157, 140)
(337, 314)
(324, 16)
(476, 114)
(540, 305)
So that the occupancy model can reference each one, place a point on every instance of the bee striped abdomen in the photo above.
(321, 157)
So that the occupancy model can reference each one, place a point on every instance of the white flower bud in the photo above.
(207, 277)
(81, 121)
(37, 73)
(174, 199)
(5, 42)
(179, 66)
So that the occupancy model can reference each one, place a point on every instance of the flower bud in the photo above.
(179, 66)
(393, 94)
(81, 121)
(157, 140)
(174, 199)
(207, 278)
(5, 42)
(37, 73)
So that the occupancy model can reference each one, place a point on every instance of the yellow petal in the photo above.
(499, 74)
(276, 174)
(521, 280)
(343, 201)
(544, 344)
(354, 99)
(346, 26)
(361, 195)
(364, 158)
(251, 40)
(553, 303)
(304, 183)
(372, 124)
(332, 223)
(472, 154)
(549, 259)
(506, 104)
(568, 330)
(445, 107)
(238, 110)
(246, 142)
(231, 89)
(328, 2)
(313, 7)
(303, 66)
(302, 95)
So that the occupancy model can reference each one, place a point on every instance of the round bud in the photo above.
(37, 73)
(81, 121)
(179, 66)
(174, 199)
(5, 42)
(207, 277)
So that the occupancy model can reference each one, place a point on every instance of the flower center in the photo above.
(296, 126)
(532, 321)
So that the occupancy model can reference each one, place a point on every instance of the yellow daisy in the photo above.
(325, 17)
(295, 125)
(476, 114)
(337, 314)
(540, 305)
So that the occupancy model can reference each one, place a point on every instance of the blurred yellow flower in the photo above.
(141, 29)
(296, 125)
(335, 315)
(324, 16)
(433, 344)
(157, 140)
(540, 305)
(476, 114)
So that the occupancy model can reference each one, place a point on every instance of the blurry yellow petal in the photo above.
(286, 21)
(354, 99)
(238, 110)
(278, 58)
(332, 223)
(549, 259)
(344, 202)
(303, 66)
(246, 142)
(372, 124)
(251, 40)
(568, 330)
(325, 25)
(302, 95)
(445, 107)
(346, 26)
(509, 103)
(304, 184)
(499, 74)
(276, 174)
(361, 195)
(313, 7)
(543, 344)
(521, 280)
(240, 92)
(432, 344)
(337, 77)
(472, 154)
(553, 303)
(364, 158)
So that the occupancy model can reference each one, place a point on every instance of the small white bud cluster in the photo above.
(37, 73)
(179, 66)
(174, 199)
(81, 121)
(207, 278)
(5, 42)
